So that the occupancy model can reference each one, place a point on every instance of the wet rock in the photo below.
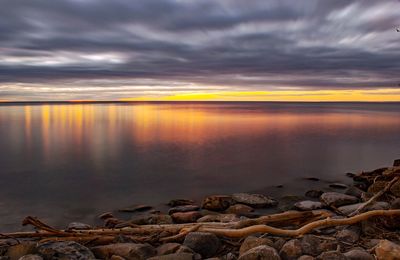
(311, 178)
(156, 219)
(261, 253)
(395, 189)
(168, 248)
(130, 251)
(136, 208)
(106, 215)
(338, 186)
(278, 243)
(224, 218)
(396, 163)
(184, 208)
(286, 202)
(350, 174)
(186, 217)
(116, 257)
(229, 256)
(206, 244)
(354, 191)
(306, 257)
(348, 235)
(176, 256)
(217, 202)
(387, 250)
(185, 249)
(346, 210)
(358, 254)
(312, 245)
(395, 204)
(308, 205)
(180, 202)
(331, 255)
(314, 193)
(337, 199)
(291, 250)
(112, 222)
(254, 200)
(19, 250)
(252, 241)
(239, 209)
(78, 226)
(31, 257)
(64, 250)
(377, 186)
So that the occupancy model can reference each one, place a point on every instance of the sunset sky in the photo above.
(199, 50)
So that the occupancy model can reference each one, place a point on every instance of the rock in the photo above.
(311, 178)
(395, 189)
(377, 186)
(206, 244)
(31, 257)
(186, 217)
(180, 202)
(130, 251)
(116, 257)
(168, 248)
(332, 255)
(229, 256)
(64, 250)
(239, 209)
(387, 250)
(337, 199)
(395, 204)
(112, 222)
(348, 235)
(176, 256)
(358, 254)
(314, 193)
(338, 186)
(254, 200)
(152, 219)
(185, 249)
(396, 163)
(19, 250)
(136, 208)
(354, 191)
(217, 202)
(106, 215)
(260, 253)
(219, 218)
(78, 226)
(346, 210)
(184, 208)
(350, 174)
(291, 250)
(278, 243)
(252, 241)
(312, 245)
(306, 257)
(308, 205)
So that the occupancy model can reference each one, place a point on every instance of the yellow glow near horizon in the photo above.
(377, 95)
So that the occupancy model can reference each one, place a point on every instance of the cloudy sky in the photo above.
(199, 49)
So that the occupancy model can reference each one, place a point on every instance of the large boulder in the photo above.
(337, 199)
(64, 250)
(206, 244)
(129, 251)
(261, 253)
(254, 200)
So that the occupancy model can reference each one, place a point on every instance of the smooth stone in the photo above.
(331, 255)
(348, 209)
(261, 253)
(252, 241)
(151, 219)
(387, 250)
(313, 245)
(239, 209)
(306, 257)
(130, 251)
(184, 208)
(136, 208)
(19, 250)
(358, 254)
(78, 226)
(186, 217)
(64, 250)
(354, 191)
(348, 235)
(311, 178)
(185, 249)
(338, 186)
(224, 218)
(116, 257)
(291, 250)
(31, 257)
(337, 199)
(314, 193)
(168, 248)
(176, 256)
(180, 202)
(206, 244)
(217, 202)
(308, 205)
(254, 200)
(106, 215)
(396, 163)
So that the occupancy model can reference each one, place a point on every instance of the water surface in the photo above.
(65, 162)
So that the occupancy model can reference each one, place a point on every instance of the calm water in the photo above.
(65, 162)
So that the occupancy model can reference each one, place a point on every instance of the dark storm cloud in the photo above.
(246, 45)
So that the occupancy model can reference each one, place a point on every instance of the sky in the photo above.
(278, 50)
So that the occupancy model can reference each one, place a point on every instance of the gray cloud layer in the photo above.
(112, 49)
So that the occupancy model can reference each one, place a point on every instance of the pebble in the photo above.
(184, 208)
(308, 205)
(217, 202)
(358, 254)
(64, 250)
(239, 209)
(126, 250)
(252, 241)
(180, 202)
(254, 200)
(291, 250)
(261, 253)
(314, 193)
(186, 217)
(206, 244)
(337, 199)
(387, 250)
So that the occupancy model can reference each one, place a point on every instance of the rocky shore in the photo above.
(354, 222)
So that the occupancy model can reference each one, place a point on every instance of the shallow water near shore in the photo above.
(70, 162)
